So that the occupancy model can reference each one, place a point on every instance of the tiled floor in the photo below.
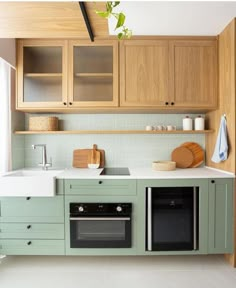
(117, 272)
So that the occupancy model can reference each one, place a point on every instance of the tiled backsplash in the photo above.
(133, 150)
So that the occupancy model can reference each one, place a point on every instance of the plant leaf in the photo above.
(121, 20)
(109, 7)
(116, 3)
(120, 35)
(103, 14)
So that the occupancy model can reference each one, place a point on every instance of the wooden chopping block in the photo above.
(182, 156)
(198, 153)
(81, 157)
(94, 157)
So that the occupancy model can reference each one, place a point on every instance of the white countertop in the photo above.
(146, 173)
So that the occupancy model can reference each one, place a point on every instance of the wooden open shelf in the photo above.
(115, 132)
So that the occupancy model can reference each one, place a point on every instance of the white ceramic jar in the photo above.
(199, 123)
(187, 123)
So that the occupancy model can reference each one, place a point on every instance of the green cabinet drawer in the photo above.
(32, 209)
(100, 187)
(220, 238)
(31, 231)
(32, 247)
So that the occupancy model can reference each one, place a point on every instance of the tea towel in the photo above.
(221, 148)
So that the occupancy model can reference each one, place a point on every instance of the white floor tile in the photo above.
(116, 272)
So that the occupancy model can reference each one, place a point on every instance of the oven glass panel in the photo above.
(105, 230)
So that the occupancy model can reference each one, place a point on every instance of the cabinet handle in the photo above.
(212, 181)
(28, 198)
(64, 103)
(29, 226)
(29, 243)
(100, 182)
(70, 103)
(172, 103)
(167, 103)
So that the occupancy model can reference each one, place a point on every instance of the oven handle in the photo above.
(100, 219)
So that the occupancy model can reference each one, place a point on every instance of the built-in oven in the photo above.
(172, 218)
(100, 225)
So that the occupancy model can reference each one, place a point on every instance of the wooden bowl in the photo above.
(163, 165)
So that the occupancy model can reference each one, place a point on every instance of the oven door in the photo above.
(100, 232)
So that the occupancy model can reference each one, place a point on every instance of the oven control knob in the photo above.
(81, 208)
(118, 208)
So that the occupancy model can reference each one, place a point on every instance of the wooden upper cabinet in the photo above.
(144, 66)
(41, 74)
(169, 73)
(193, 73)
(93, 73)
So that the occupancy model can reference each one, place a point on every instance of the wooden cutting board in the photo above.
(182, 156)
(81, 158)
(197, 151)
(95, 155)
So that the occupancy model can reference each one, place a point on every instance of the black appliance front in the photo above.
(172, 218)
(100, 225)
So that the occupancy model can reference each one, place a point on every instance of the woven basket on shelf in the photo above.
(43, 123)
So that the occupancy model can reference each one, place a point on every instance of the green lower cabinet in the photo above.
(32, 209)
(221, 201)
(32, 225)
(31, 247)
(102, 187)
(31, 231)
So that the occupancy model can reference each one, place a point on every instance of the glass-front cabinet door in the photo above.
(93, 74)
(42, 74)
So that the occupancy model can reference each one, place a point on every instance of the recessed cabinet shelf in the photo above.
(115, 132)
(38, 75)
(93, 74)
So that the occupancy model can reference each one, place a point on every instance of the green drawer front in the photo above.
(31, 231)
(32, 209)
(32, 247)
(100, 187)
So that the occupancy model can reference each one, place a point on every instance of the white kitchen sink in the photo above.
(29, 183)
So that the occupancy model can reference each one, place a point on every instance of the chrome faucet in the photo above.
(44, 163)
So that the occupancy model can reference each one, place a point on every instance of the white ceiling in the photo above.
(176, 17)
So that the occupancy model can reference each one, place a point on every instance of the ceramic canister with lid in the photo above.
(199, 123)
(187, 123)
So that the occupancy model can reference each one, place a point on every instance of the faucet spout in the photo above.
(44, 164)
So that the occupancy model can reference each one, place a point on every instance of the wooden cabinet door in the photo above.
(194, 73)
(41, 74)
(93, 74)
(144, 67)
(220, 239)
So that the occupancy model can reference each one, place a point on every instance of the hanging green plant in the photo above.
(124, 33)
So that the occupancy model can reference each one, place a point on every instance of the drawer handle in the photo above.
(29, 243)
(167, 103)
(212, 181)
(100, 182)
(64, 103)
(28, 198)
(172, 103)
(29, 226)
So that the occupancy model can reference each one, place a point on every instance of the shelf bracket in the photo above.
(86, 20)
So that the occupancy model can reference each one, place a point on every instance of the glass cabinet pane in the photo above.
(42, 74)
(93, 73)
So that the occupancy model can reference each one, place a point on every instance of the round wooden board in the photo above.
(197, 151)
(182, 156)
